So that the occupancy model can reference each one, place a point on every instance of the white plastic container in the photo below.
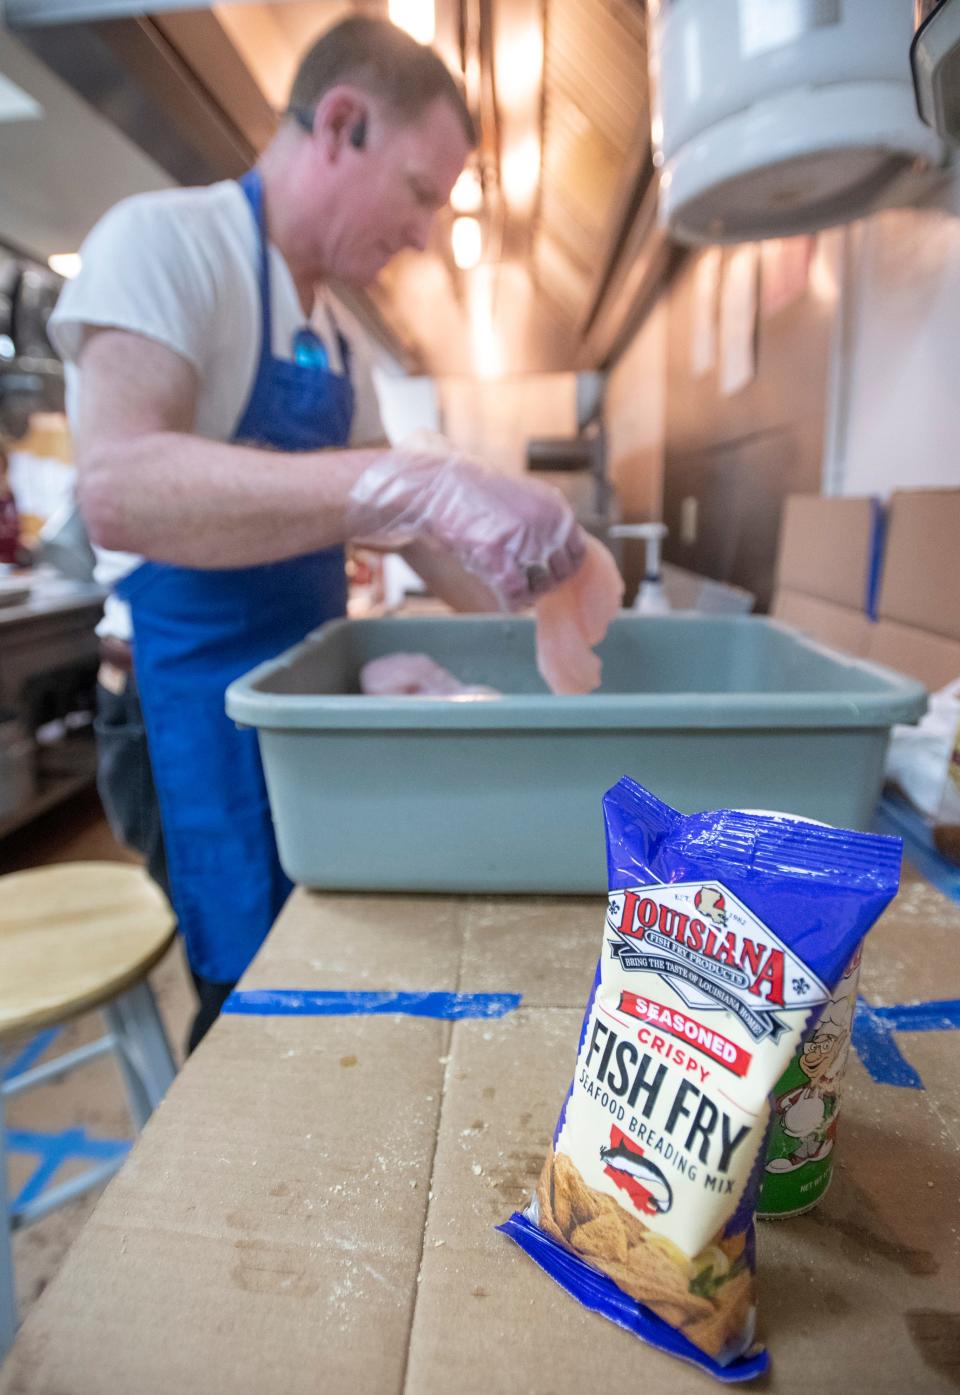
(776, 117)
(651, 598)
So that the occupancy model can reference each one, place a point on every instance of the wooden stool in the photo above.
(76, 936)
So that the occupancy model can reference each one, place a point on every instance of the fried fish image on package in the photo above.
(725, 934)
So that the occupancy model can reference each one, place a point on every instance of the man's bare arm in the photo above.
(148, 485)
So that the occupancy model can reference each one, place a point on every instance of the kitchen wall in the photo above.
(494, 419)
(853, 388)
(635, 417)
(897, 422)
(730, 452)
(733, 453)
(407, 404)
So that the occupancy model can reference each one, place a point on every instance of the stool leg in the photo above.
(8, 1295)
(144, 1054)
(138, 1102)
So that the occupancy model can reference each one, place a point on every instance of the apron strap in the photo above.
(343, 343)
(345, 350)
(252, 186)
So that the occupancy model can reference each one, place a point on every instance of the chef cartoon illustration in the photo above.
(808, 1114)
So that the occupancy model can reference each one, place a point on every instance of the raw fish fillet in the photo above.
(415, 675)
(573, 618)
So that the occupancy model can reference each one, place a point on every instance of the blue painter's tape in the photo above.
(33, 1050)
(877, 542)
(873, 1041)
(895, 815)
(941, 1015)
(289, 1002)
(54, 1149)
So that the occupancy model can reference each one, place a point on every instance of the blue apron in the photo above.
(197, 630)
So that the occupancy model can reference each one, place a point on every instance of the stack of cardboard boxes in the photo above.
(918, 620)
(825, 564)
(881, 584)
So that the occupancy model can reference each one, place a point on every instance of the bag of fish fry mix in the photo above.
(725, 934)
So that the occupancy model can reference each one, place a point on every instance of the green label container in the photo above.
(806, 1109)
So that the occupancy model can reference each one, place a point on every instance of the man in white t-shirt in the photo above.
(214, 403)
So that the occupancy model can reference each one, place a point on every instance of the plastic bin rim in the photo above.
(901, 699)
(280, 711)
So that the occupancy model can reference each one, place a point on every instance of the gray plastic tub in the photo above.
(503, 794)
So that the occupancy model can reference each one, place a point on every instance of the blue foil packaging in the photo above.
(725, 935)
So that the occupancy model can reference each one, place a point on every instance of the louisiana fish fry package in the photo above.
(725, 934)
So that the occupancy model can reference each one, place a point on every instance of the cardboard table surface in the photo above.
(313, 1206)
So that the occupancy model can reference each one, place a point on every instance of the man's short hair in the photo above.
(381, 59)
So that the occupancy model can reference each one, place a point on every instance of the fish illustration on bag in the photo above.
(642, 1180)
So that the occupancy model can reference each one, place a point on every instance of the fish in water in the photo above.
(645, 1174)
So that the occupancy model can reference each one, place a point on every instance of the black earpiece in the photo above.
(358, 136)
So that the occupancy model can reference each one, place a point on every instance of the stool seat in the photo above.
(74, 935)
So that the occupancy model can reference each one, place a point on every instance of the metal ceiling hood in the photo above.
(644, 267)
(31, 12)
(144, 72)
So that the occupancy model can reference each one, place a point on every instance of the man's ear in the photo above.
(340, 121)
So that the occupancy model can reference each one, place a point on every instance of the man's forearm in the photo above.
(179, 498)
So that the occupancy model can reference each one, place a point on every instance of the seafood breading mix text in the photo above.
(725, 934)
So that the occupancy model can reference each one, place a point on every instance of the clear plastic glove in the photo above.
(518, 536)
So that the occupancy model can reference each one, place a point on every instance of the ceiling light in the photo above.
(519, 66)
(520, 170)
(472, 79)
(467, 193)
(467, 239)
(417, 17)
(822, 278)
(65, 264)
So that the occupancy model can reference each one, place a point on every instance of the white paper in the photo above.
(703, 334)
(42, 487)
(738, 320)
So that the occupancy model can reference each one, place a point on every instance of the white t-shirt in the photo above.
(181, 267)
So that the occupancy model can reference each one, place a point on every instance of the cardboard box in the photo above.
(312, 1209)
(930, 658)
(836, 625)
(829, 548)
(921, 569)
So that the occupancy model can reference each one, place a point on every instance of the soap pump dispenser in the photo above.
(651, 598)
